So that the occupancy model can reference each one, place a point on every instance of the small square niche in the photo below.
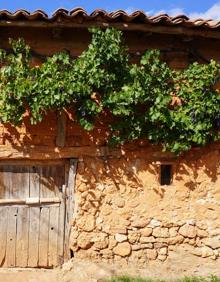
(165, 174)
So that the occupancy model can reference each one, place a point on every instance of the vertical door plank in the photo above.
(5, 181)
(34, 175)
(14, 181)
(33, 236)
(3, 234)
(34, 217)
(2, 183)
(22, 237)
(71, 186)
(19, 181)
(44, 237)
(46, 182)
(53, 236)
(11, 237)
(70, 203)
(60, 175)
(61, 231)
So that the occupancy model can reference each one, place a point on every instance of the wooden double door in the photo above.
(34, 213)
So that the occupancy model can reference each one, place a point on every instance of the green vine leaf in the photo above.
(178, 109)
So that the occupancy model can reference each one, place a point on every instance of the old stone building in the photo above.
(65, 193)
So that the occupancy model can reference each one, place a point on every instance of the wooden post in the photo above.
(71, 175)
(61, 129)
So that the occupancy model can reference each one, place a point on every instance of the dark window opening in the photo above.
(165, 174)
(71, 254)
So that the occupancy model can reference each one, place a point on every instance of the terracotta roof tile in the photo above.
(119, 16)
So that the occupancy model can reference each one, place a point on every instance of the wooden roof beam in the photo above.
(143, 27)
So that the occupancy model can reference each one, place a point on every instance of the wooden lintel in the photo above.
(143, 27)
(40, 153)
(54, 153)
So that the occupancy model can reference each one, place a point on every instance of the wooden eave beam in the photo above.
(174, 30)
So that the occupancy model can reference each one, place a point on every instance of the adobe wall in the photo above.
(122, 213)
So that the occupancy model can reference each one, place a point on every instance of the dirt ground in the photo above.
(28, 275)
(85, 271)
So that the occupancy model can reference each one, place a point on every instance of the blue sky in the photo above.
(192, 8)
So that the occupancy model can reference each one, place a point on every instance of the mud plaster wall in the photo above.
(122, 214)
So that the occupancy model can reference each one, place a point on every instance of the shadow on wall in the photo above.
(192, 167)
(139, 168)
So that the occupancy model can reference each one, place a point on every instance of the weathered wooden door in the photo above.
(32, 214)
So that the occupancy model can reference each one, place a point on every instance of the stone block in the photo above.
(188, 231)
(100, 240)
(138, 247)
(202, 233)
(121, 237)
(118, 229)
(133, 237)
(160, 245)
(203, 252)
(139, 222)
(163, 251)
(151, 254)
(173, 231)
(147, 239)
(122, 249)
(161, 232)
(175, 240)
(213, 242)
(84, 240)
(145, 232)
(112, 242)
(86, 223)
(154, 223)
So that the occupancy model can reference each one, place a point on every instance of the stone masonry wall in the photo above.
(122, 214)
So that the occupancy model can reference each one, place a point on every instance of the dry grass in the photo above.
(186, 279)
